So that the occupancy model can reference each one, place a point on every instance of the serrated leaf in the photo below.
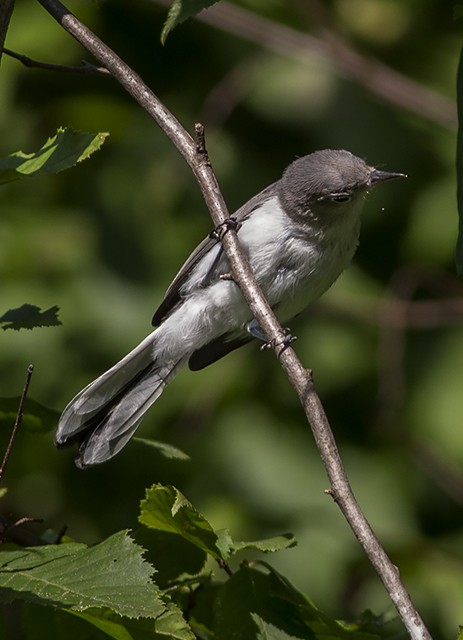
(36, 417)
(172, 624)
(60, 152)
(28, 316)
(180, 11)
(165, 449)
(166, 509)
(112, 574)
(270, 545)
(263, 606)
(459, 249)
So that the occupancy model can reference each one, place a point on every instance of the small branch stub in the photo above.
(200, 138)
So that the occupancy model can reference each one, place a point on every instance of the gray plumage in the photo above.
(299, 234)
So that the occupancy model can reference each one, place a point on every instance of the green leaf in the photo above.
(165, 449)
(458, 11)
(180, 11)
(265, 606)
(166, 509)
(173, 557)
(170, 624)
(60, 152)
(268, 631)
(106, 621)
(247, 593)
(36, 417)
(270, 545)
(459, 250)
(28, 316)
(111, 574)
(47, 623)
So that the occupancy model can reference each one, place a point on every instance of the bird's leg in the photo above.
(229, 224)
(218, 233)
(255, 330)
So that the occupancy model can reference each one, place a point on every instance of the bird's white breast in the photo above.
(295, 265)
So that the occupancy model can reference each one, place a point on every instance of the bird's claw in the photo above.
(281, 345)
(230, 224)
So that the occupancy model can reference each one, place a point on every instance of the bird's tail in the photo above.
(104, 416)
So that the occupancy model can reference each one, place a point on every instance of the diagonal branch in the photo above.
(299, 377)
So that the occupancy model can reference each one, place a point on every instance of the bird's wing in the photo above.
(172, 296)
(215, 350)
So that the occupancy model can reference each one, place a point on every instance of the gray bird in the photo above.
(299, 235)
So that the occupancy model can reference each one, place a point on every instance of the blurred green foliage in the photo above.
(103, 241)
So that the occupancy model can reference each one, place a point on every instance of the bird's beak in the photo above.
(377, 176)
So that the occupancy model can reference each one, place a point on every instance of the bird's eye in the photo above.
(341, 197)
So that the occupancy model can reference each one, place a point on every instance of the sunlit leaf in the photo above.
(60, 152)
(166, 509)
(111, 574)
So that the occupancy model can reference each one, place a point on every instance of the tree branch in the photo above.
(6, 9)
(18, 421)
(85, 67)
(300, 377)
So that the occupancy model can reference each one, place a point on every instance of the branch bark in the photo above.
(85, 67)
(300, 378)
(6, 9)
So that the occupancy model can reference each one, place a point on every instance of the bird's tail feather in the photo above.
(104, 416)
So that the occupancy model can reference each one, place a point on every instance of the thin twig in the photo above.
(18, 421)
(14, 532)
(260, 309)
(86, 67)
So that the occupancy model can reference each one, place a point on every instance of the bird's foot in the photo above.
(230, 224)
(280, 345)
